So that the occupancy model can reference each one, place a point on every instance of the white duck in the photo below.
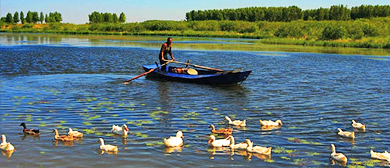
(75, 134)
(218, 143)
(270, 123)
(107, 148)
(120, 130)
(236, 122)
(241, 145)
(346, 134)
(380, 156)
(6, 146)
(337, 156)
(174, 141)
(257, 149)
(358, 125)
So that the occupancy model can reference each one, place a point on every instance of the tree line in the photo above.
(97, 17)
(32, 17)
(291, 13)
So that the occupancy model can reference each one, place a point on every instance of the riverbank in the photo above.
(362, 33)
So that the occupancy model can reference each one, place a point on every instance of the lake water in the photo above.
(54, 81)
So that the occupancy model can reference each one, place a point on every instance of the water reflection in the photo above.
(34, 137)
(7, 153)
(101, 152)
(260, 156)
(169, 150)
(64, 143)
(335, 162)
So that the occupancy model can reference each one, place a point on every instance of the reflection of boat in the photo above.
(211, 77)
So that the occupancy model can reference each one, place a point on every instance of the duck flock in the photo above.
(177, 141)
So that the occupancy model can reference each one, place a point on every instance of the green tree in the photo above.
(22, 17)
(29, 17)
(115, 18)
(9, 18)
(46, 19)
(35, 17)
(122, 18)
(16, 17)
(41, 17)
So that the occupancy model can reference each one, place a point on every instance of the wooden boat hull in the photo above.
(204, 76)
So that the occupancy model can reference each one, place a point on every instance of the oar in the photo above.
(199, 66)
(145, 73)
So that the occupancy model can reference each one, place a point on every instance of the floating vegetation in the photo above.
(297, 140)
(94, 117)
(98, 133)
(185, 107)
(244, 109)
(335, 122)
(130, 109)
(299, 161)
(62, 122)
(283, 150)
(138, 134)
(139, 122)
(87, 123)
(312, 153)
(7, 114)
(42, 152)
(293, 127)
(157, 143)
(285, 158)
(269, 113)
(43, 124)
(114, 115)
(158, 108)
(143, 104)
(214, 109)
(191, 115)
(89, 131)
(109, 134)
(369, 163)
(155, 113)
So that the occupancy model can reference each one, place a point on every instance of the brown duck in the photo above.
(63, 137)
(224, 131)
(29, 131)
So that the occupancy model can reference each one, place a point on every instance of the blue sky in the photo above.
(76, 11)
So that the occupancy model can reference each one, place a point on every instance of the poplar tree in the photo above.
(122, 18)
(41, 17)
(16, 17)
(22, 17)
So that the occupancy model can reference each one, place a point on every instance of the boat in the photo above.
(210, 77)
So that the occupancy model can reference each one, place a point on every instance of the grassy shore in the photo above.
(363, 33)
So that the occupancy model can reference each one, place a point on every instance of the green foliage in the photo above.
(16, 17)
(122, 18)
(96, 17)
(9, 18)
(291, 13)
(333, 33)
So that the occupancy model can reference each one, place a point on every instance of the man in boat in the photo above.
(166, 49)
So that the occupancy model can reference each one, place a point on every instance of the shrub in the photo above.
(333, 32)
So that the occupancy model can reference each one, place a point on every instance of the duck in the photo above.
(6, 146)
(225, 131)
(120, 130)
(62, 137)
(257, 149)
(340, 157)
(107, 148)
(270, 123)
(236, 122)
(346, 134)
(29, 131)
(174, 141)
(218, 143)
(241, 145)
(75, 134)
(381, 156)
(358, 125)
